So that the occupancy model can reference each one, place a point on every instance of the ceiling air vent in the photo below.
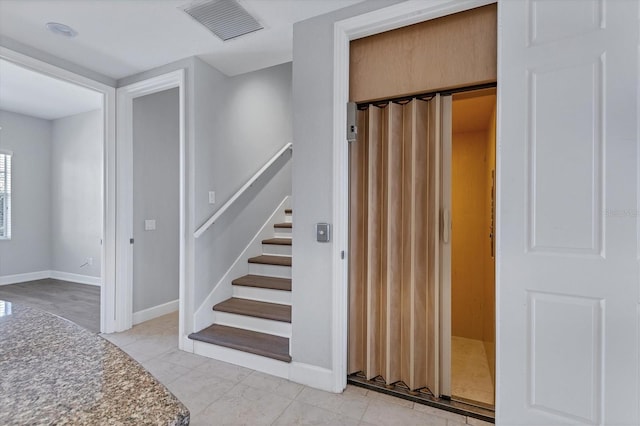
(225, 18)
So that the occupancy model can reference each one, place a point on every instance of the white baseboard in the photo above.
(75, 278)
(58, 275)
(155, 312)
(313, 376)
(305, 374)
(20, 278)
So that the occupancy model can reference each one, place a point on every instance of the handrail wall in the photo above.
(202, 229)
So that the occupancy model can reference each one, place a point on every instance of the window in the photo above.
(5, 195)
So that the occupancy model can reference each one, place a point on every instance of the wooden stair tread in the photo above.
(271, 260)
(254, 308)
(283, 225)
(262, 344)
(278, 241)
(261, 281)
(288, 211)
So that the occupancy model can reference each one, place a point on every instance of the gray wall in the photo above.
(240, 123)
(30, 246)
(313, 180)
(156, 196)
(76, 193)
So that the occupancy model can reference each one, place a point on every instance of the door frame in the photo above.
(108, 182)
(375, 22)
(124, 214)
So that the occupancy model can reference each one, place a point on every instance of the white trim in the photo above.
(126, 95)
(259, 325)
(311, 375)
(268, 295)
(21, 278)
(155, 312)
(108, 189)
(243, 359)
(306, 374)
(75, 278)
(56, 275)
(201, 230)
(381, 20)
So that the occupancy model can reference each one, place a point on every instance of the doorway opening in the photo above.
(472, 277)
(56, 129)
(422, 281)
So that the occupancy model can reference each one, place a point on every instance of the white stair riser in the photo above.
(288, 218)
(243, 359)
(270, 270)
(277, 328)
(262, 294)
(282, 232)
(276, 249)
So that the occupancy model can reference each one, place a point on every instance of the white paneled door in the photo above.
(568, 281)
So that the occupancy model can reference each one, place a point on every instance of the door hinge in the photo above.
(342, 255)
(130, 240)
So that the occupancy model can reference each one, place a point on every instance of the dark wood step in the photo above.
(260, 281)
(253, 308)
(278, 241)
(285, 225)
(266, 259)
(262, 344)
(288, 211)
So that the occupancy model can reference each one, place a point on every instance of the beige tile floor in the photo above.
(470, 375)
(218, 393)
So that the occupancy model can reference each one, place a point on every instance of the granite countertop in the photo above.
(52, 371)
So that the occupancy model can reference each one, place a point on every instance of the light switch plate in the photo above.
(149, 225)
(212, 197)
(323, 232)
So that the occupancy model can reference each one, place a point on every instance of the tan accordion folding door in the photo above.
(393, 293)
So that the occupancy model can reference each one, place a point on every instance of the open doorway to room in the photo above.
(151, 203)
(52, 142)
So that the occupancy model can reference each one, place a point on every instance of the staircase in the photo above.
(257, 318)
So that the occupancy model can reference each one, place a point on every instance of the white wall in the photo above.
(76, 193)
(156, 196)
(29, 249)
(240, 123)
(312, 182)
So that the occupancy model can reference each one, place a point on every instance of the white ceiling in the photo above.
(31, 93)
(118, 38)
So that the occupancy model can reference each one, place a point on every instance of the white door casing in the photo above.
(124, 214)
(568, 246)
(108, 184)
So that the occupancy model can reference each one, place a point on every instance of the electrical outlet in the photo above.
(212, 197)
(90, 260)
